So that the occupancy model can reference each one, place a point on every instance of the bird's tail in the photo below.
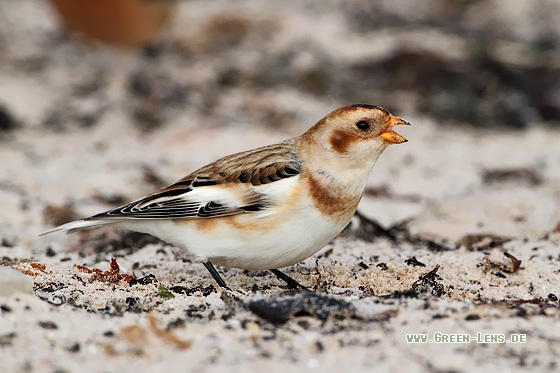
(79, 225)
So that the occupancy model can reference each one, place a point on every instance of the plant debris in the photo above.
(23, 269)
(527, 176)
(515, 263)
(429, 279)
(40, 266)
(504, 266)
(166, 335)
(149, 279)
(369, 230)
(205, 290)
(137, 338)
(414, 262)
(164, 292)
(481, 242)
(113, 275)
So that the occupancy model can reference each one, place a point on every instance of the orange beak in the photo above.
(392, 136)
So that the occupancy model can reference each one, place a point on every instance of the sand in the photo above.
(445, 220)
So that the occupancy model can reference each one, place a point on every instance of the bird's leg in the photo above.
(215, 274)
(292, 284)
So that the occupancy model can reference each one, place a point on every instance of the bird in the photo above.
(270, 207)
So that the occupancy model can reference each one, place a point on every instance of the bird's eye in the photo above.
(362, 125)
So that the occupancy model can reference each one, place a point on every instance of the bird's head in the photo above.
(357, 132)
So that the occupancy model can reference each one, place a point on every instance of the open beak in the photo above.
(392, 136)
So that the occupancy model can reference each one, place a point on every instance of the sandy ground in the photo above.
(95, 127)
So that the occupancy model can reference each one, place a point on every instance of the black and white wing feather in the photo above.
(201, 198)
(229, 186)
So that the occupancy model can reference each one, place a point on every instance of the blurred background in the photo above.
(102, 101)
(65, 64)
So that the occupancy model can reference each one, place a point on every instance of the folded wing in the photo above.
(232, 185)
(200, 199)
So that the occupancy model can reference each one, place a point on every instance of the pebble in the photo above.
(13, 282)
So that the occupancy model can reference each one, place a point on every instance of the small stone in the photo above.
(13, 282)
(49, 325)
(281, 307)
(472, 316)
(50, 252)
(7, 122)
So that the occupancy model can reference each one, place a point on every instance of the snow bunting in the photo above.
(269, 207)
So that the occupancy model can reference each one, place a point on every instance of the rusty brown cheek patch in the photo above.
(341, 140)
(328, 202)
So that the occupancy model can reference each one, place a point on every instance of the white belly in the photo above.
(288, 242)
(288, 233)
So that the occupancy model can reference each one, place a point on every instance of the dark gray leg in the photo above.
(292, 284)
(215, 274)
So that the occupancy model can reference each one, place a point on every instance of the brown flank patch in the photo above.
(329, 202)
